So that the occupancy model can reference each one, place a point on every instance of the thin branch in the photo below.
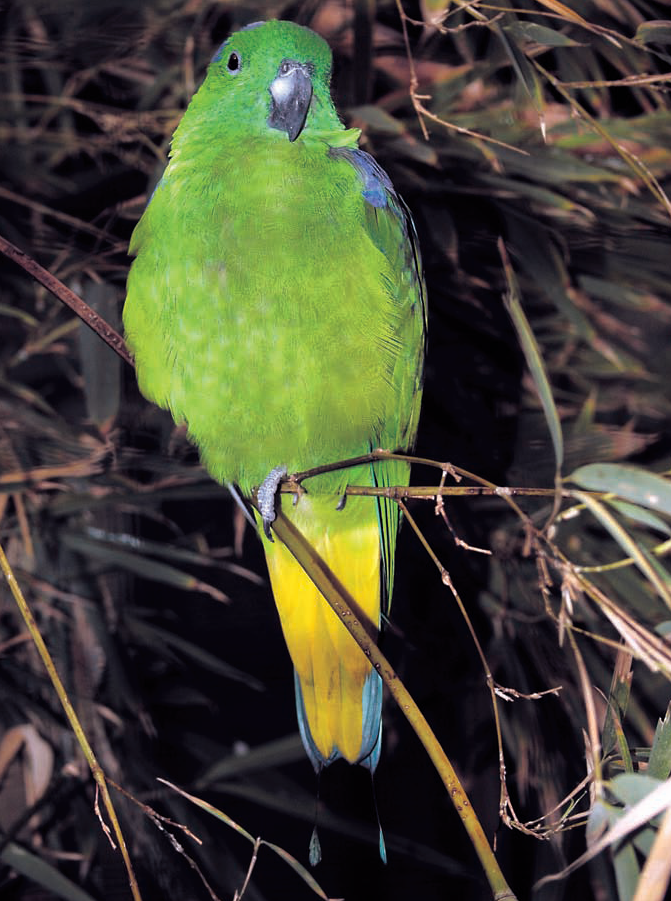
(88, 316)
(417, 98)
(96, 770)
(352, 618)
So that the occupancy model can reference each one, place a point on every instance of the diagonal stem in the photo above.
(102, 328)
(352, 618)
(96, 770)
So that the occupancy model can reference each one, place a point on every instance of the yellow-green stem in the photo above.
(348, 611)
(96, 769)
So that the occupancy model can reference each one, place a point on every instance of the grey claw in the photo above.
(266, 497)
(342, 500)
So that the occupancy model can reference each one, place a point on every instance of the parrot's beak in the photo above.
(291, 93)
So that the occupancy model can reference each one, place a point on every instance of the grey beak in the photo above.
(291, 93)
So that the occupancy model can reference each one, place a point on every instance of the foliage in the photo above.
(532, 143)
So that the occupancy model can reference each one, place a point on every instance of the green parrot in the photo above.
(276, 307)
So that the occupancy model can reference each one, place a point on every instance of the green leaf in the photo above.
(629, 482)
(539, 34)
(526, 74)
(598, 821)
(643, 559)
(627, 870)
(630, 788)
(542, 262)
(377, 119)
(641, 516)
(42, 873)
(659, 763)
(417, 150)
(142, 566)
(152, 634)
(211, 809)
(534, 360)
(618, 699)
(271, 754)
(143, 547)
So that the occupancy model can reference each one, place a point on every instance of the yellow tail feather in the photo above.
(330, 667)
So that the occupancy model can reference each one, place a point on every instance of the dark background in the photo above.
(100, 492)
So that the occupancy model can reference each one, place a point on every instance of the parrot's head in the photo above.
(272, 78)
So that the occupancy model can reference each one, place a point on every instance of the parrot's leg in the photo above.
(266, 497)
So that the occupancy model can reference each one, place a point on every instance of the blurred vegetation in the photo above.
(532, 142)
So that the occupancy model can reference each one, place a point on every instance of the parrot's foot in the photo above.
(342, 500)
(266, 497)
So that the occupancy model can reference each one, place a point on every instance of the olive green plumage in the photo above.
(276, 306)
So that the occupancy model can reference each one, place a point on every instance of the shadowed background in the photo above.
(152, 596)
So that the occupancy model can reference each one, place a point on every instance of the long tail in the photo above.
(338, 694)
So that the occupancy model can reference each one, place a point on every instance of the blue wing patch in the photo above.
(392, 231)
(377, 187)
(379, 192)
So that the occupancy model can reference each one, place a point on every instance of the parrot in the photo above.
(276, 307)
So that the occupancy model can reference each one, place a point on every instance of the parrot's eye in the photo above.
(233, 63)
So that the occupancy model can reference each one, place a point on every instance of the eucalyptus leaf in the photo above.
(631, 788)
(627, 870)
(641, 515)
(599, 819)
(628, 482)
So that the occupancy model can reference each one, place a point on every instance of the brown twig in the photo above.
(88, 316)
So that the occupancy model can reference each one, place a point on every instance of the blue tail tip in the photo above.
(315, 850)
